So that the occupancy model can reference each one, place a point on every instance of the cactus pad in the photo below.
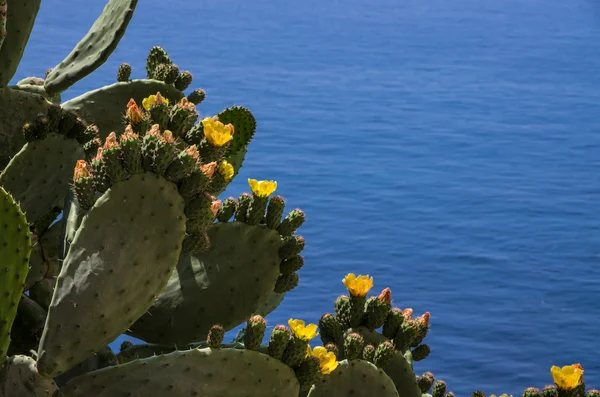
(355, 378)
(198, 372)
(122, 255)
(95, 47)
(19, 378)
(16, 108)
(223, 285)
(105, 106)
(399, 369)
(15, 248)
(39, 175)
(2, 21)
(20, 18)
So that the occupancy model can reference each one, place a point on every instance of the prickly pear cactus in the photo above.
(110, 224)
(15, 248)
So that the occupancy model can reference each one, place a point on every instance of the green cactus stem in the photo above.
(20, 17)
(40, 174)
(225, 284)
(15, 249)
(19, 378)
(399, 369)
(357, 378)
(94, 274)
(3, 7)
(16, 108)
(102, 359)
(197, 372)
(94, 48)
(105, 106)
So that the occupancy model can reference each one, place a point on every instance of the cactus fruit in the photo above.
(255, 331)
(439, 389)
(355, 378)
(15, 249)
(124, 72)
(196, 372)
(197, 96)
(215, 336)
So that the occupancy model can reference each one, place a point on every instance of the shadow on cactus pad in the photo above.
(240, 274)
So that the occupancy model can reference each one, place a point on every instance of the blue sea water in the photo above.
(450, 149)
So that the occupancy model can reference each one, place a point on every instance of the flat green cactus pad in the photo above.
(2, 21)
(19, 378)
(399, 369)
(39, 175)
(198, 372)
(121, 257)
(95, 47)
(15, 248)
(16, 108)
(105, 106)
(273, 301)
(356, 378)
(224, 285)
(19, 23)
(37, 90)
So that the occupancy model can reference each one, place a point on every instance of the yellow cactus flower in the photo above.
(308, 351)
(81, 170)
(154, 100)
(300, 331)
(501, 395)
(134, 114)
(226, 170)
(262, 188)
(358, 286)
(567, 377)
(327, 359)
(217, 133)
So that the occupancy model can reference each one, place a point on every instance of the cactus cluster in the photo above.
(111, 224)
